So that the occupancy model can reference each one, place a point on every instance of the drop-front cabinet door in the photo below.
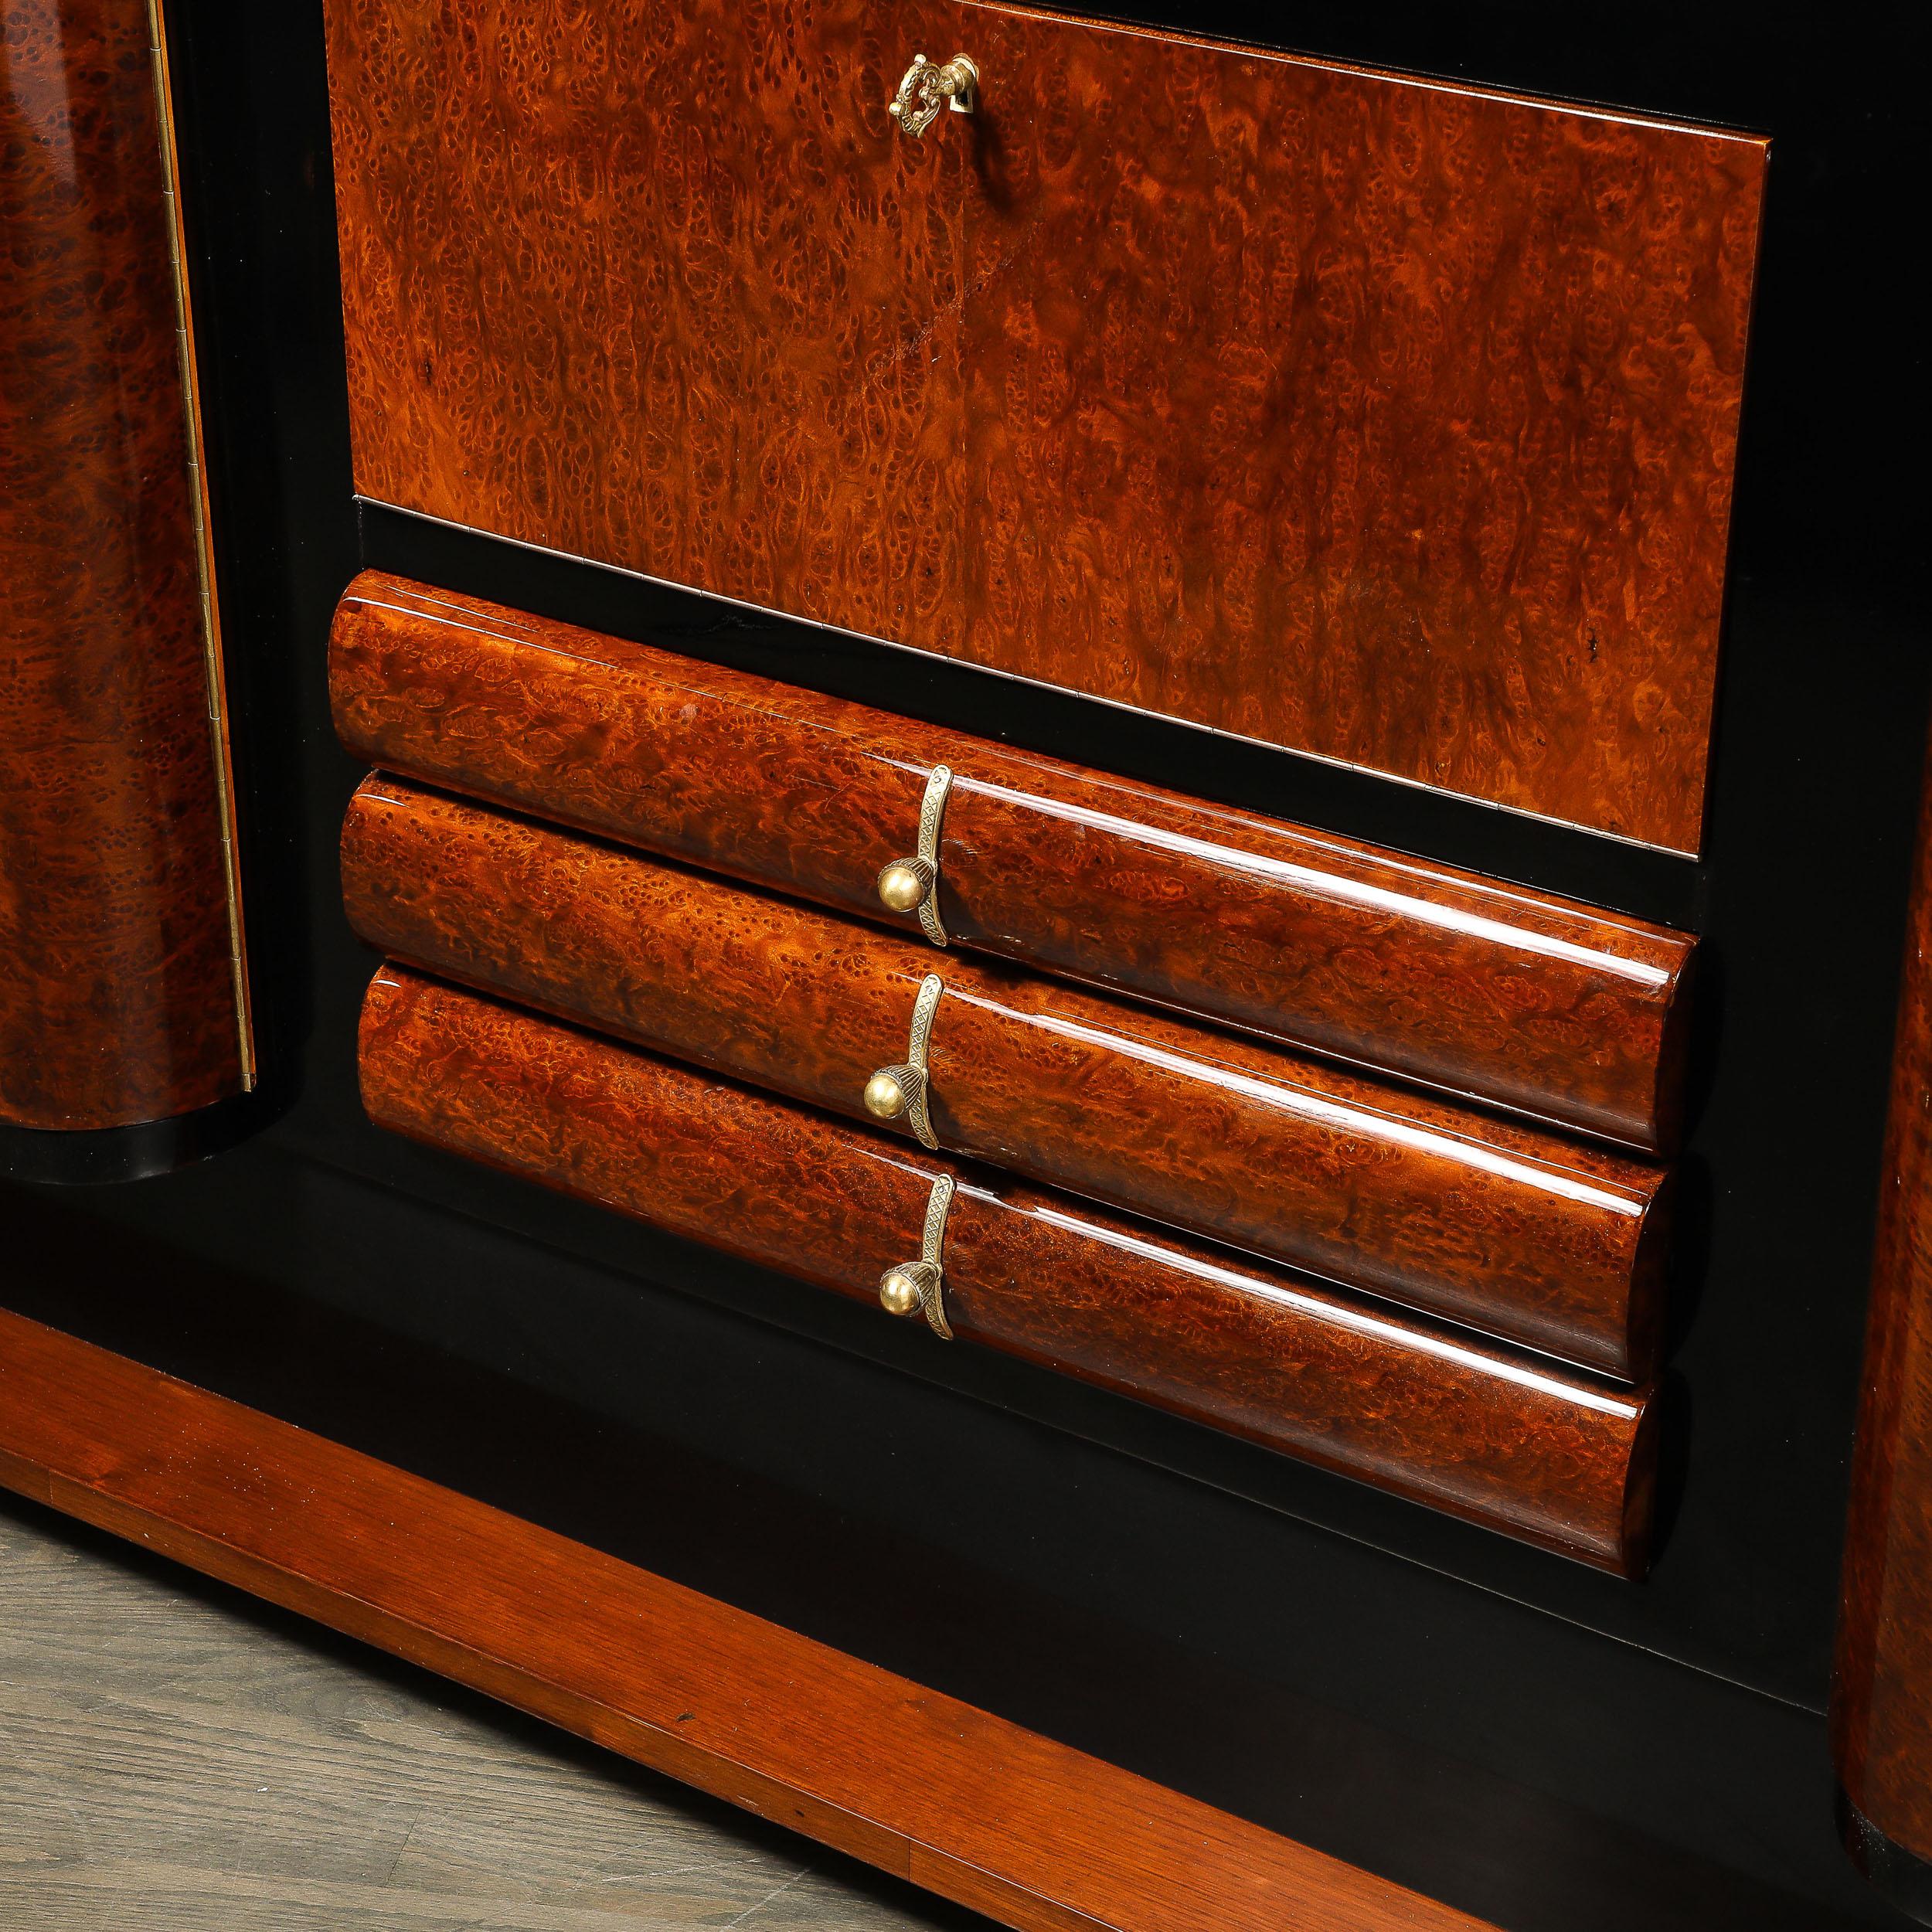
(1384, 420)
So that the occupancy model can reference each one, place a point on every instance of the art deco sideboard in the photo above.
(1084, 974)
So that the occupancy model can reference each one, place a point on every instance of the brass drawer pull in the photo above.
(925, 89)
(912, 885)
(920, 1287)
(903, 1089)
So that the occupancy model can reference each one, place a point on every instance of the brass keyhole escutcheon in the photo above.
(927, 91)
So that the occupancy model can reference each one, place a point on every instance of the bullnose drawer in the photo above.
(1520, 1234)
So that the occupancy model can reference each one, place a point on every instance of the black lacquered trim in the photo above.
(1901, 1877)
(99, 1156)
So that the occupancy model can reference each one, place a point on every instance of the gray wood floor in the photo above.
(174, 1757)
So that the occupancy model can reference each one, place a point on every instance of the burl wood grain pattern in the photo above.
(1551, 1008)
(1465, 1429)
(1524, 1236)
(1882, 1693)
(116, 1004)
(1380, 419)
(1038, 1836)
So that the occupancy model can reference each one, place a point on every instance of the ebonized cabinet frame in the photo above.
(1819, 745)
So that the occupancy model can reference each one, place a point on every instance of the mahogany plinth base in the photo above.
(949, 1797)
(1902, 1878)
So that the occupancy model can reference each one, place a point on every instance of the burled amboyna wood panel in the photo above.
(1385, 420)
(116, 1004)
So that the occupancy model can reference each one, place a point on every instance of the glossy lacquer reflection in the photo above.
(1470, 1431)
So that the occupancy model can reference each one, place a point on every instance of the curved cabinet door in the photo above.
(123, 1001)
(1882, 1693)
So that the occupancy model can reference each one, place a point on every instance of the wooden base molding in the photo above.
(952, 1798)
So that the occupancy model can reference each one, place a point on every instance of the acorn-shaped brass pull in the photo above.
(903, 884)
(903, 1289)
(925, 90)
(893, 1091)
(919, 1288)
(912, 885)
(902, 1090)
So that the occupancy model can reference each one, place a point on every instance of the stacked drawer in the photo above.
(1301, 1124)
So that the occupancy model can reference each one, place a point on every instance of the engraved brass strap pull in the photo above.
(920, 1287)
(904, 1088)
(925, 89)
(912, 885)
